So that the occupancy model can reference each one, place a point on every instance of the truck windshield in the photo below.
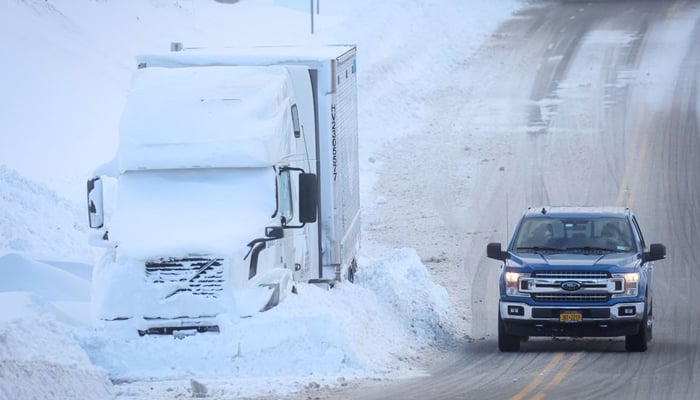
(604, 234)
(172, 213)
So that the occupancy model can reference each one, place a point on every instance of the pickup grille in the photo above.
(572, 275)
(568, 297)
(198, 276)
(587, 286)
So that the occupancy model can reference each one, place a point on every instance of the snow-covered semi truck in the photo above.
(236, 176)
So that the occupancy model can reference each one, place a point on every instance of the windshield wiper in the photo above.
(590, 249)
(536, 249)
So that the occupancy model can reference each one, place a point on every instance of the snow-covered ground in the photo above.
(65, 79)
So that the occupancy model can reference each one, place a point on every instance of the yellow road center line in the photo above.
(559, 376)
(638, 175)
(676, 8)
(632, 176)
(539, 378)
(623, 186)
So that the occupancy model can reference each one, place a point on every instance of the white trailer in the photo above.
(236, 176)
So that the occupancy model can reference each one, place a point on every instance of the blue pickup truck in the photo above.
(576, 272)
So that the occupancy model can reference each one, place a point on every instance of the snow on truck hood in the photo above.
(174, 213)
(205, 117)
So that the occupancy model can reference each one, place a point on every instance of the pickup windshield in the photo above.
(574, 235)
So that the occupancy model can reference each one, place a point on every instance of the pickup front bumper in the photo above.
(620, 319)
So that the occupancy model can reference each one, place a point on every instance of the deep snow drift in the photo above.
(66, 87)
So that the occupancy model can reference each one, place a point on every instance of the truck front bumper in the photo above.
(620, 319)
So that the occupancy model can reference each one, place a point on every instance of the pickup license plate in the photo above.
(570, 316)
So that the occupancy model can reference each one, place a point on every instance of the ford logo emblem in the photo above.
(570, 286)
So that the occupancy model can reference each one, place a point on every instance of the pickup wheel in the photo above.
(650, 323)
(638, 342)
(506, 342)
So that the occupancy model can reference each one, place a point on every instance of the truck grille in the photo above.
(588, 286)
(199, 276)
(572, 275)
(568, 297)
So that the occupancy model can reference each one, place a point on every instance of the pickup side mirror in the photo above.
(657, 251)
(308, 197)
(493, 250)
(96, 215)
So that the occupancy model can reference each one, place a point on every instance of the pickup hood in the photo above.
(610, 262)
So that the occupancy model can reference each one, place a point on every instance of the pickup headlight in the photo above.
(514, 283)
(630, 282)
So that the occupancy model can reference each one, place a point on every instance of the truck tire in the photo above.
(352, 269)
(506, 342)
(639, 342)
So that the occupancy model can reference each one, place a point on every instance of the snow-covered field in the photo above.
(65, 77)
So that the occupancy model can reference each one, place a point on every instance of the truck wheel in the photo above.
(638, 342)
(351, 271)
(506, 342)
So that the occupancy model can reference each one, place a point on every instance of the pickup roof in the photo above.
(576, 272)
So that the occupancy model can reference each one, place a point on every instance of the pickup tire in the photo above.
(639, 342)
(506, 342)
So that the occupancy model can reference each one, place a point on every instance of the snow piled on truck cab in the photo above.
(173, 213)
(250, 55)
(206, 117)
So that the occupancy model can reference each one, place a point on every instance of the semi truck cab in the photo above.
(236, 177)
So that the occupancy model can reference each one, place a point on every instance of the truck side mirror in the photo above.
(493, 250)
(657, 251)
(95, 205)
(308, 197)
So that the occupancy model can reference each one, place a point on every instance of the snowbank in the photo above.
(369, 329)
(402, 281)
(22, 274)
(39, 357)
(36, 221)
